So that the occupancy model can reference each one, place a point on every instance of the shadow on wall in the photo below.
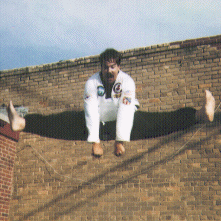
(71, 125)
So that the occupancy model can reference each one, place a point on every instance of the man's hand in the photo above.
(97, 150)
(119, 148)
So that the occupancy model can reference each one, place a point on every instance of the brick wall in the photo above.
(158, 178)
(8, 142)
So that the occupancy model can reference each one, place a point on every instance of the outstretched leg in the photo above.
(17, 123)
(69, 125)
(162, 123)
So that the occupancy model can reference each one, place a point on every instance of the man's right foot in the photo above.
(17, 123)
(97, 150)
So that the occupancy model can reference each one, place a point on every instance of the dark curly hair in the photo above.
(110, 54)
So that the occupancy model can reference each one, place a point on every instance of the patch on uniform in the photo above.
(117, 95)
(100, 91)
(128, 93)
(117, 88)
(127, 100)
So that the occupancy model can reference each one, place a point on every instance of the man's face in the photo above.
(109, 70)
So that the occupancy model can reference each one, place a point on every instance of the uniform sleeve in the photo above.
(91, 111)
(125, 115)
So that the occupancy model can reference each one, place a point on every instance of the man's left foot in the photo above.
(119, 148)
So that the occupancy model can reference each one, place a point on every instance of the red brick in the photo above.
(142, 185)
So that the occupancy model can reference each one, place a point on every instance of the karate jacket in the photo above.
(120, 107)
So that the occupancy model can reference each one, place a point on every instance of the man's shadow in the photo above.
(71, 125)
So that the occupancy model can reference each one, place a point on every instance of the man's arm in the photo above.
(91, 111)
(126, 111)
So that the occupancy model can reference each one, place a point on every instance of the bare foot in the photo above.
(97, 150)
(119, 148)
(206, 113)
(17, 123)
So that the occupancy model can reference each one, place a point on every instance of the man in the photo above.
(109, 96)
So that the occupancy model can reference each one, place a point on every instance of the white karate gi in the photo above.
(120, 107)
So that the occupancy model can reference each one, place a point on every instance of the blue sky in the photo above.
(36, 32)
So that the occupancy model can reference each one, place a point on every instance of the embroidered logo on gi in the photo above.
(100, 91)
(117, 88)
(117, 95)
(128, 93)
(127, 100)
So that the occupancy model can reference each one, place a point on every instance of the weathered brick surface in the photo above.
(7, 157)
(157, 179)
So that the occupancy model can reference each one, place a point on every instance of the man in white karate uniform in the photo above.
(110, 96)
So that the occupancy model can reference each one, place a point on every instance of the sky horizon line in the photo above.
(125, 50)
